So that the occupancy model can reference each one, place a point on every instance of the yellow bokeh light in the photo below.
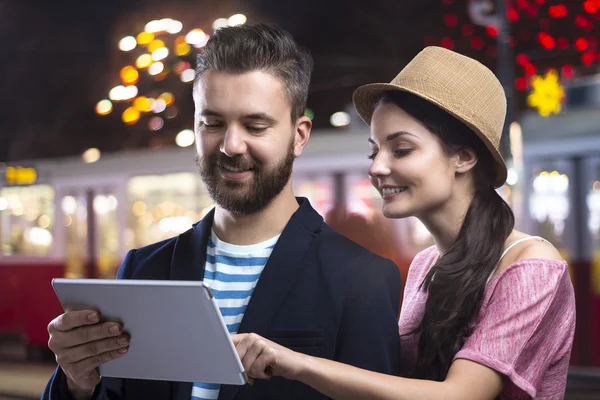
(141, 103)
(130, 116)
(155, 45)
(104, 107)
(129, 75)
(44, 221)
(145, 37)
(183, 49)
(547, 94)
(139, 208)
(180, 39)
(167, 97)
(143, 61)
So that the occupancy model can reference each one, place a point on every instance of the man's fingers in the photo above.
(83, 351)
(83, 334)
(82, 369)
(73, 319)
(257, 357)
(237, 338)
(86, 334)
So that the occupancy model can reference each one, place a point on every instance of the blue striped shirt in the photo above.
(231, 272)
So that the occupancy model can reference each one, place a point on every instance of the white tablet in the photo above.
(177, 332)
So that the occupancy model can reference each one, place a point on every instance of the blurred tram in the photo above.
(66, 218)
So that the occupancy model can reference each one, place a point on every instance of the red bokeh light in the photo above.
(522, 59)
(546, 40)
(512, 14)
(588, 58)
(492, 30)
(581, 44)
(583, 22)
(522, 3)
(451, 19)
(589, 7)
(530, 69)
(477, 43)
(567, 71)
(558, 11)
(447, 43)
(521, 83)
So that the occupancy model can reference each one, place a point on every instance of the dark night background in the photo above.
(60, 57)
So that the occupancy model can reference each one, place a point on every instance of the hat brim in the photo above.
(364, 99)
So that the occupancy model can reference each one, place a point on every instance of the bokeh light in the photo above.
(91, 155)
(156, 68)
(128, 43)
(104, 107)
(130, 116)
(188, 75)
(185, 138)
(143, 61)
(155, 123)
(129, 75)
(168, 98)
(237, 19)
(145, 38)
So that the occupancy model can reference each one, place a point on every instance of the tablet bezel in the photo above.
(145, 308)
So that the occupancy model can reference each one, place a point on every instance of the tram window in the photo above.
(162, 206)
(26, 220)
(549, 204)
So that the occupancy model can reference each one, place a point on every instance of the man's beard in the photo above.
(248, 196)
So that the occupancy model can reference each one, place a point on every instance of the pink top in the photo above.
(524, 330)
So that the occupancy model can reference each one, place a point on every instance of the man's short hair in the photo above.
(262, 47)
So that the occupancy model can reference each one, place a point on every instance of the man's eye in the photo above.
(256, 129)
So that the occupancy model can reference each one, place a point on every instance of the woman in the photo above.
(488, 312)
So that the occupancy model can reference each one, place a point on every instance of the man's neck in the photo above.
(255, 228)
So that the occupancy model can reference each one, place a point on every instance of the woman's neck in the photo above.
(445, 222)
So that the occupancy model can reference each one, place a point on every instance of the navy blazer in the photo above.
(319, 294)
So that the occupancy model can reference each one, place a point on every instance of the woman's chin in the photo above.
(396, 211)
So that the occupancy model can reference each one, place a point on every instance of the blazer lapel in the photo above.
(189, 255)
(279, 275)
(188, 264)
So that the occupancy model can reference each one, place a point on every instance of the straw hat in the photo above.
(457, 84)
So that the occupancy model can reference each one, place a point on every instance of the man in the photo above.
(275, 267)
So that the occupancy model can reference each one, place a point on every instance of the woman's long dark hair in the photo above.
(455, 295)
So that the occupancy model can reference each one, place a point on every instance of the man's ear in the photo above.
(301, 134)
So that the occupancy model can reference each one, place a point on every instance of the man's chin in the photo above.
(229, 185)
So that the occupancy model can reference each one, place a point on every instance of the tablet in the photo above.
(177, 331)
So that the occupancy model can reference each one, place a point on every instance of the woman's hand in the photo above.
(263, 359)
